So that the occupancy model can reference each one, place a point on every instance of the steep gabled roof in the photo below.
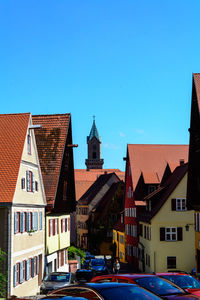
(153, 158)
(106, 200)
(51, 140)
(196, 77)
(13, 131)
(85, 178)
(163, 192)
(94, 189)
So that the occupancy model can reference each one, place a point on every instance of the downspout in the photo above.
(154, 254)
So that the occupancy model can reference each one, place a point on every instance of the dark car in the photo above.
(98, 265)
(183, 280)
(153, 283)
(84, 275)
(105, 291)
(56, 280)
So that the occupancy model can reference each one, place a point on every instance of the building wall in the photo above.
(130, 220)
(119, 239)
(27, 248)
(160, 250)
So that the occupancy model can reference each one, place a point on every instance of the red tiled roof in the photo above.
(153, 158)
(150, 177)
(196, 77)
(13, 131)
(50, 141)
(84, 178)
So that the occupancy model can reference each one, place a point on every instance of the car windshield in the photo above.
(158, 286)
(128, 292)
(184, 281)
(97, 262)
(57, 277)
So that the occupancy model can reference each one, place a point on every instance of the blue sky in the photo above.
(128, 62)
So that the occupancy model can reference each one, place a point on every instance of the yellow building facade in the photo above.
(167, 242)
(120, 242)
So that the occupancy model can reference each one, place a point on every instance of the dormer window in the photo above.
(29, 144)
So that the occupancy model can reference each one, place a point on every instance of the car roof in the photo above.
(171, 273)
(128, 275)
(59, 273)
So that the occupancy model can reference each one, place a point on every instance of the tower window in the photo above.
(94, 155)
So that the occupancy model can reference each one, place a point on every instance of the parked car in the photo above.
(153, 283)
(98, 265)
(84, 275)
(105, 291)
(183, 280)
(56, 280)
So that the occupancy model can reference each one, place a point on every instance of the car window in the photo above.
(184, 281)
(57, 278)
(158, 286)
(122, 280)
(78, 292)
(100, 280)
(126, 293)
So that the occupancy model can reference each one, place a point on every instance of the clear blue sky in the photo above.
(128, 62)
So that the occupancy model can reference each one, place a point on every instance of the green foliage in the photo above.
(3, 277)
(73, 251)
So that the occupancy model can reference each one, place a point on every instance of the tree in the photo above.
(3, 276)
(73, 251)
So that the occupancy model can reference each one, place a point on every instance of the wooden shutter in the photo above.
(162, 233)
(54, 226)
(32, 267)
(38, 261)
(57, 226)
(179, 233)
(173, 204)
(68, 224)
(61, 225)
(49, 227)
(27, 181)
(33, 183)
(15, 275)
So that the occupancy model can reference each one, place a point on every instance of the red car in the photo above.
(153, 283)
(183, 280)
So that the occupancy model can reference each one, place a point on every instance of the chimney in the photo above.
(181, 161)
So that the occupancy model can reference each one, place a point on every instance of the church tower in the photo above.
(94, 160)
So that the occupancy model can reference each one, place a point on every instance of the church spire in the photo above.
(93, 132)
(94, 160)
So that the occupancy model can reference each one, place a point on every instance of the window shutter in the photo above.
(21, 222)
(28, 269)
(15, 276)
(21, 272)
(37, 271)
(162, 233)
(33, 183)
(40, 220)
(54, 226)
(68, 224)
(57, 226)
(180, 233)
(32, 267)
(49, 227)
(61, 225)
(173, 202)
(27, 181)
